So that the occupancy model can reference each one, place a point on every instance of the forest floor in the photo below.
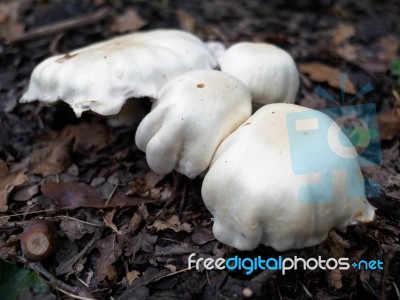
(125, 232)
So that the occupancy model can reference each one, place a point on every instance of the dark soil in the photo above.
(140, 250)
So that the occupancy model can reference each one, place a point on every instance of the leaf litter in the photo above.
(125, 231)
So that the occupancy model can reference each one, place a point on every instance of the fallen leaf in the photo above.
(75, 230)
(335, 279)
(108, 220)
(389, 123)
(71, 195)
(342, 33)
(348, 52)
(176, 249)
(202, 235)
(390, 45)
(53, 159)
(132, 276)
(142, 241)
(134, 223)
(320, 72)
(110, 250)
(8, 181)
(86, 137)
(337, 244)
(129, 21)
(171, 223)
(10, 27)
(186, 21)
(25, 193)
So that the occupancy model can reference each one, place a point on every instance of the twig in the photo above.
(30, 213)
(37, 266)
(171, 274)
(397, 290)
(73, 296)
(62, 26)
(111, 195)
(307, 291)
(80, 221)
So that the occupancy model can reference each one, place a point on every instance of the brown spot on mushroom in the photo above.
(246, 124)
(66, 57)
(200, 85)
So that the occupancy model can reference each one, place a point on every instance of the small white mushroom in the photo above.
(192, 115)
(258, 197)
(268, 71)
(100, 77)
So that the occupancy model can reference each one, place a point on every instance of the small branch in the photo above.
(61, 26)
(36, 266)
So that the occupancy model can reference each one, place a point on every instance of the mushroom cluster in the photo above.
(201, 121)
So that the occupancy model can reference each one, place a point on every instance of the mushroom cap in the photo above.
(268, 71)
(192, 115)
(257, 196)
(100, 77)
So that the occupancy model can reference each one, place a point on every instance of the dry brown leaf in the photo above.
(186, 21)
(71, 195)
(390, 46)
(348, 52)
(86, 137)
(129, 21)
(10, 27)
(337, 244)
(389, 124)
(132, 276)
(110, 250)
(134, 223)
(171, 223)
(342, 33)
(323, 73)
(108, 220)
(335, 279)
(52, 159)
(7, 183)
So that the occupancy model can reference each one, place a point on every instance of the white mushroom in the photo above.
(100, 77)
(268, 71)
(192, 115)
(284, 179)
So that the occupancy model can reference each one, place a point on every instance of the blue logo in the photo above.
(316, 140)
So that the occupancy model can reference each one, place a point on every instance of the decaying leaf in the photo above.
(320, 72)
(342, 32)
(337, 244)
(74, 229)
(142, 241)
(108, 220)
(72, 195)
(10, 27)
(86, 137)
(389, 124)
(335, 279)
(7, 183)
(129, 21)
(53, 159)
(132, 276)
(110, 250)
(186, 21)
(390, 45)
(171, 223)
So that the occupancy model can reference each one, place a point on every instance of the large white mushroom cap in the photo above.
(192, 115)
(102, 76)
(268, 71)
(256, 195)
